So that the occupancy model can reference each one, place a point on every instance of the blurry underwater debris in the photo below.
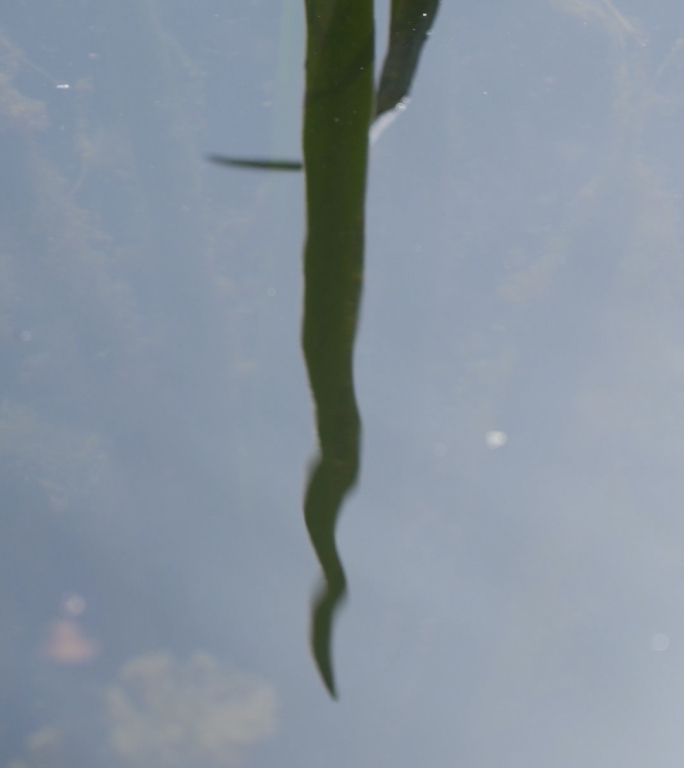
(163, 714)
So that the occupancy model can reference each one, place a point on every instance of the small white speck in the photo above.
(63, 86)
(74, 605)
(25, 335)
(271, 291)
(485, 93)
(495, 439)
(660, 642)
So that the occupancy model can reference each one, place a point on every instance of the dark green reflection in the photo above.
(256, 164)
(410, 25)
(339, 107)
(338, 110)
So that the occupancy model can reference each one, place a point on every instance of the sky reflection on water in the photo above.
(522, 278)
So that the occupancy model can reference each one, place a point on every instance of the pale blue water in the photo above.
(514, 605)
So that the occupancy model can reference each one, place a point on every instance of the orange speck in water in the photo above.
(68, 644)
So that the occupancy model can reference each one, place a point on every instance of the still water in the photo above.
(375, 462)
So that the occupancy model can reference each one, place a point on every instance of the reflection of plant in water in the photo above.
(166, 714)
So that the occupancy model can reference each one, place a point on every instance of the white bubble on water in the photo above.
(660, 642)
(25, 335)
(496, 439)
(74, 605)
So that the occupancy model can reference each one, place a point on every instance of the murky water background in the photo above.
(514, 547)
